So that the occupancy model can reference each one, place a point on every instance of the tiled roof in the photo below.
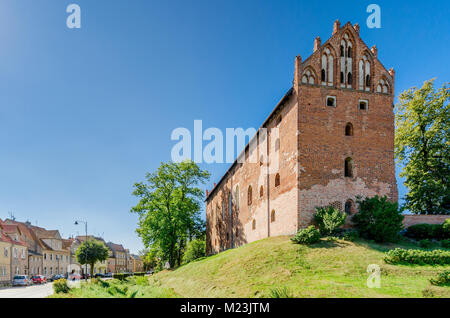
(116, 247)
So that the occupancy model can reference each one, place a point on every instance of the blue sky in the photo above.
(86, 113)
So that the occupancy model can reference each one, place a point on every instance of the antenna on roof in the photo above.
(11, 216)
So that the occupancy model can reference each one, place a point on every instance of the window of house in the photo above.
(249, 195)
(331, 101)
(349, 129)
(363, 105)
(272, 216)
(349, 167)
(277, 180)
(348, 206)
(349, 78)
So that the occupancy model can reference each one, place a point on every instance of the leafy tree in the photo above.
(422, 146)
(378, 219)
(195, 249)
(91, 252)
(169, 208)
(329, 219)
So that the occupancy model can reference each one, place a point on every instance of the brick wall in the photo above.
(418, 219)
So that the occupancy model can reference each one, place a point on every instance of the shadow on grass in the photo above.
(324, 243)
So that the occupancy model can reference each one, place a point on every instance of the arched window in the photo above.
(349, 78)
(254, 224)
(349, 129)
(323, 76)
(342, 78)
(261, 191)
(249, 195)
(327, 67)
(346, 61)
(342, 50)
(367, 80)
(308, 77)
(349, 206)
(277, 180)
(364, 73)
(272, 216)
(349, 168)
(349, 54)
(383, 87)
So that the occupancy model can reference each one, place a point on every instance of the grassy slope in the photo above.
(326, 269)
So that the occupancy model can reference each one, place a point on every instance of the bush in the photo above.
(329, 219)
(425, 231)
(351, 235)
(121, 276)
(309, 235)
(443, 279)
(378, 219)
(139, 274)
(402, 256)
(426, 243)
(60, 286)
(142, 281)
(195, 249)
(446, 228)
(445, 243)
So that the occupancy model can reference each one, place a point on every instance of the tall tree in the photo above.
(422, 146)
(91, 252)
(169, 208)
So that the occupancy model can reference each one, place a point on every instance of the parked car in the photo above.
(108, 275)
(73, 277)
(21, 280)
(39, 279)
(99, 275)
(83, 276)
(150, 272)
(56, 277)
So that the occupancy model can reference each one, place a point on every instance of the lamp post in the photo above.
(85, 250)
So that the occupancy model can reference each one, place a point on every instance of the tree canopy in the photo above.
(169, 209)
(422, 147)
(91, 252)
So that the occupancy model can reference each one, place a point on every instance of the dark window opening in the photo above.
(349, 78)
(331, 101)
(342, 78)
(349, 129)
(261, 191)
(324, 77)
(254, 224)
(342, 50)
(362, 105)
(272, 216)
(249, 195)
(277, 180)
(349, 54)
(367, 80)
(348, 168)
(349, 206)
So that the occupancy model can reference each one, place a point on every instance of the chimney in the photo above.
(298, 70)
(317, 43)
(356, 27)
(336, 26)
(392, 73)
(374, 50)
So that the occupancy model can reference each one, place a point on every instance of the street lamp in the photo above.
(85, 250)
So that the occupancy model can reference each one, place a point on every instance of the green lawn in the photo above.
(326, 269)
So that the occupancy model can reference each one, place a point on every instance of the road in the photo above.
(36, 291)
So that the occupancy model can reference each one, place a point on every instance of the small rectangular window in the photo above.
(363, 105)
(331, 101)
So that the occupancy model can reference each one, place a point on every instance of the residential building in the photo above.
(18, 249)
(120, 257)
(136, 264)
(5, 258)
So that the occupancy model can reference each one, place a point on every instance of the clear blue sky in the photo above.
(86, 113)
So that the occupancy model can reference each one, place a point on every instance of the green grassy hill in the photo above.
(326, 269)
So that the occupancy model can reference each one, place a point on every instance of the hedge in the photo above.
(419, 257)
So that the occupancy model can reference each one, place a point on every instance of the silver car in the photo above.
(21, 280)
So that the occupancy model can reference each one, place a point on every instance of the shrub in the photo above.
(402, 256)
(446, 228)
(121, 276)
(142, 281)
(195, 249)
(378, 219)
(443, 279)
(139, 274)
(60, 286)
(426, 243)
(445, 243)
(309, 235)
(329, 219)
(351, 235)
(425, 231)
